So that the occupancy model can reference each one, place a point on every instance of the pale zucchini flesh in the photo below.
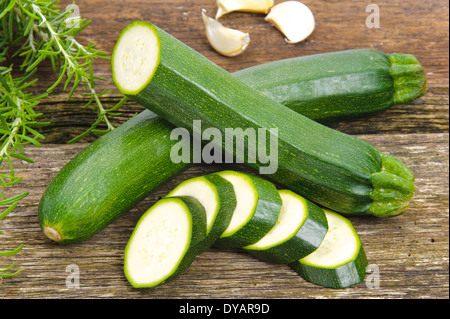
(340, 260)
(300, 229)
(139, 57)
(217, 196)
(246, 199)
(204, 192)
(165, 241)
(258, 205)
(292, 216)
(340, 246)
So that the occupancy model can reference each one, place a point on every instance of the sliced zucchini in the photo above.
(217, 196)
(258, 205)
(300, 229)
(165, 241)
(340, 261)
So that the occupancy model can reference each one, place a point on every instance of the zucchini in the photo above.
(300, 229)
(217, 196)
(108, 178)
(340, 84)
(330, 168)
(340, 261)
(166, 240)
(121, 174)
(258, 205)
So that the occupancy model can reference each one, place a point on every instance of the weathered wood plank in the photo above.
(410, 251)
(416, 27)
(428, 114)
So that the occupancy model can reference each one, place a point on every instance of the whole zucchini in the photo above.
(331, 168)
(128, 163)
(340, 84)
(108, 178)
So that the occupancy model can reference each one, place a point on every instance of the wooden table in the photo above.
(410, 251)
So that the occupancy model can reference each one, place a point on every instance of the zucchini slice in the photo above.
(340, 261)
(258, 205)
(299, 231)
(217, 196)
(333, 169)
(165, 241)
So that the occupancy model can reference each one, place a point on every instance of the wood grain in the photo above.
(416, 27)
(410, 251)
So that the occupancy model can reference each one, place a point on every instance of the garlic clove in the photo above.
(227, 6)
(226, 41)
(294, 19)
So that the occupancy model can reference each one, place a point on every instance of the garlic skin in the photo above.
(226, 41)
(227, 6)
(294, 19)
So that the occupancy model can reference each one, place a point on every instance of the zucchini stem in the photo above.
(393, 188)
(409, 77)
(52, 233)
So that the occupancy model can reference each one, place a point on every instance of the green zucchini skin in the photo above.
(307, 239)
(344, 275)
(196, 244)
(264, 217)
(108, 178)
(226, 200)
(328, 167)
(66, 205)
(342, 84)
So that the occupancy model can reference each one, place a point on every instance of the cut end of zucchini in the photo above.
(300, 229)
(204, 192)
(340, 260)
(162, 240)
(52, 233)
(246, 200)
(292, 216)
(409, 77)
(258, 205)
(393, 188)
(135, 57)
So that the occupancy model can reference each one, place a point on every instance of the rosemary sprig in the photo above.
(48, 33)
(10, 252)
(34, 31)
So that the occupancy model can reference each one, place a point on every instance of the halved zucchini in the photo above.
(299, 231)
(165, 241)
(258, 205)
(340, 261)
(217, 196)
